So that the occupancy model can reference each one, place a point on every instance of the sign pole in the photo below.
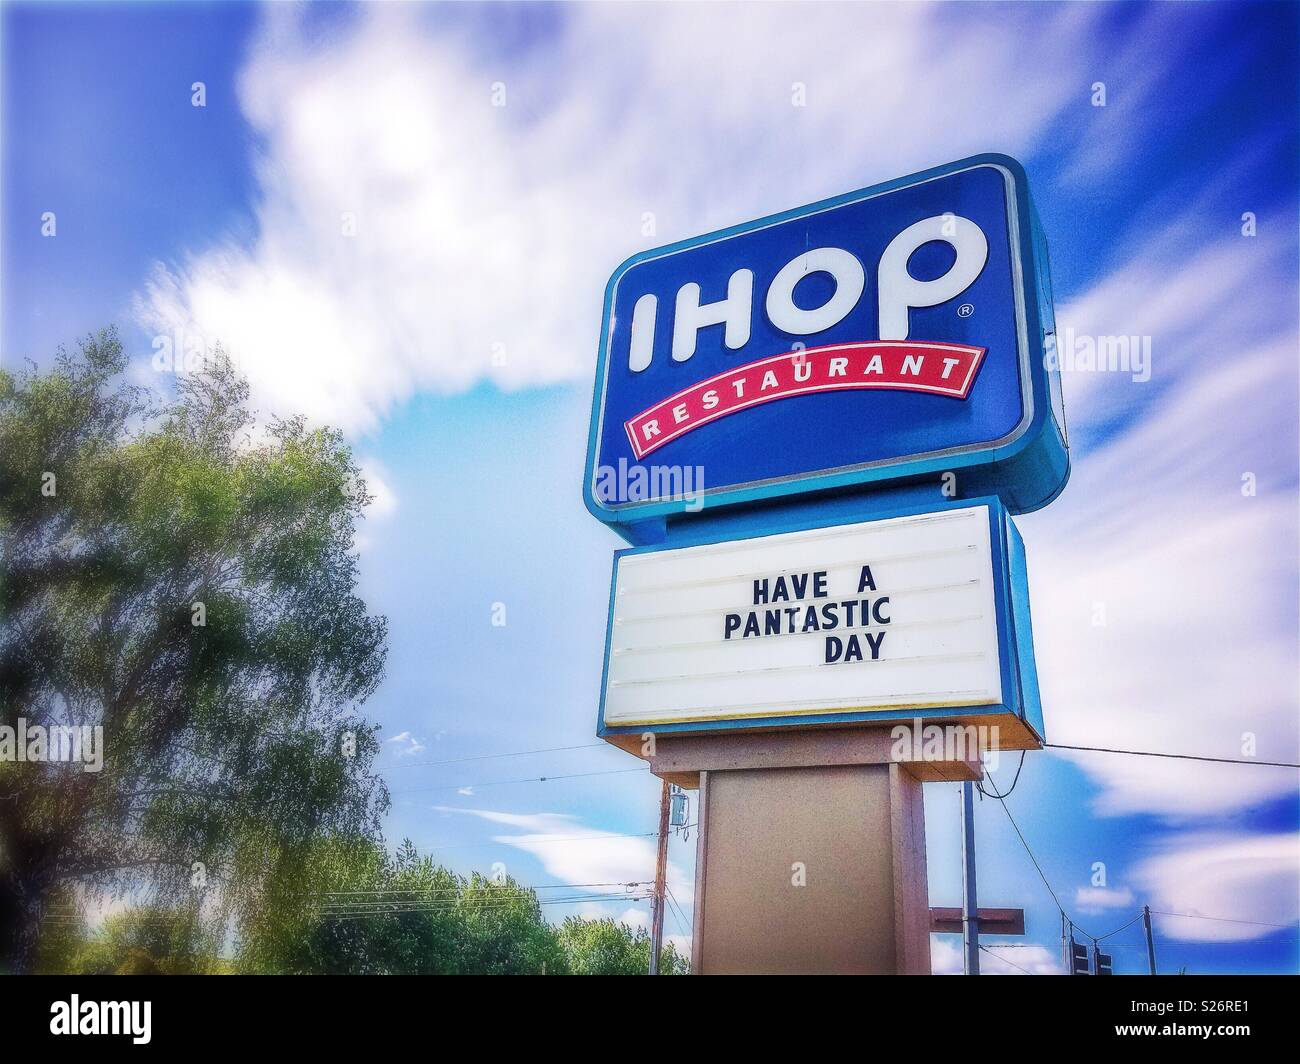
(970, 931)
(661, 869)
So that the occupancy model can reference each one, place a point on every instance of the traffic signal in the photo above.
(1078, 958)
(1101, 962)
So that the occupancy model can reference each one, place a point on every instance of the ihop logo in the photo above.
(840, 343)
(939, 368)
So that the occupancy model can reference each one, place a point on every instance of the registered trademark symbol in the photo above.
(965, 310)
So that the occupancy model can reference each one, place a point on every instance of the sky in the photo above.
(400, 218)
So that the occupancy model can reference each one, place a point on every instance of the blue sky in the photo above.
(453, 336)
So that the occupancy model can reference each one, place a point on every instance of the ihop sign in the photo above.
(889, 336)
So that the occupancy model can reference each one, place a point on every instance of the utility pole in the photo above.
(661, 875)
(970, 924)
(1151, 944)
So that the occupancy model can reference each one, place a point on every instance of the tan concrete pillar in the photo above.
(811, 870)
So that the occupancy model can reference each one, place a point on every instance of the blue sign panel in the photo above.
(890, 335)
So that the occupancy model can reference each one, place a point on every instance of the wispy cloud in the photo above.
(574, 853)
(1164, 592)
(410, 235)
(1099, 899)
(1222, 882)
(946, 958)
(405, 744)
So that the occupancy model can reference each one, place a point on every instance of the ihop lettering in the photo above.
(893, 360)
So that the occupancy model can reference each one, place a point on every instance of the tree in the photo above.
(352, 908)
(151, 940)
(184, 579)
(332, 909)
(608, 947)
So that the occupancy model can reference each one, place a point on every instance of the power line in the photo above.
(682, 922)
(1220, 919)
(1136, 753)
(1156, 912)
(504, 840)
(455, 900)
(530, 779)
(1119, 929)
(1005, 960)
(365, 905)
(488, 757)
(1180, 757)
(992, 791)
(1041, 874)
(444, 898)
(362, 914)
(457, 890)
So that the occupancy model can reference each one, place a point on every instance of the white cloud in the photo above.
(1099, 899)
(536, 822)
(383, 501)
(602, 861)
(1021, 960)
(1229, 877)
(483, 235)
(1120, 128)
(382, 505)
(1163, 597)
(408, 744)
(680, 943)
(946, 958)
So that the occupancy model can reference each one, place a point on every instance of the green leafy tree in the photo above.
(63, 935)
(151, 940)
(184, 579)
(609, 947)
(352, 908)
(333, 909)
(505, 932)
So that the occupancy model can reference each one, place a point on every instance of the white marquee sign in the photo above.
(883, 615)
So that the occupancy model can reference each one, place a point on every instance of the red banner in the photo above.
(904, 365)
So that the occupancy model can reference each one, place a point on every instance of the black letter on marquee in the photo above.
(875, 609)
